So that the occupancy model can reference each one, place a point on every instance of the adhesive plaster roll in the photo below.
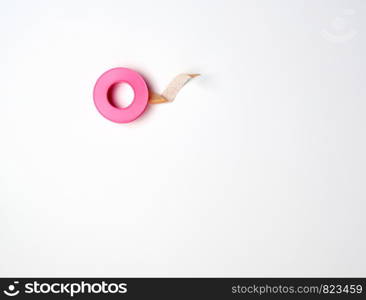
(142, 96)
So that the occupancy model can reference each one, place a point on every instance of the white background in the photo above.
(257, 168)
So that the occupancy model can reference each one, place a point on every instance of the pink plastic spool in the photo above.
(104, 105)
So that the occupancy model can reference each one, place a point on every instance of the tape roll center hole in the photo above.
(121, 95)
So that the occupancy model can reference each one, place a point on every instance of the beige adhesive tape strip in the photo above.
(172, 89)
(155, 98)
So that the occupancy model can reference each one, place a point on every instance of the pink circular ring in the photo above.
(112, 77)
